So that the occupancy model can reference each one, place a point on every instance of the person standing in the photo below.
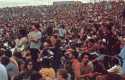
(35, 36)
(3, 72)
(35, 43)
(56, 52)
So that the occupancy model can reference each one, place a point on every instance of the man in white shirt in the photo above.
(35, 37)
(3, 73)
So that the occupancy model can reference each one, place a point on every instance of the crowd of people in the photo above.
(63, 42)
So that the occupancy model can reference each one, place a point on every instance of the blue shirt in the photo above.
(122, 55)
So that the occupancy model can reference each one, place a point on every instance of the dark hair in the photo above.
(8, 53)
(35, 76)
(36, 25)
(46, 63)
(22, 33)
(76, 55)
(58, 42)
(17, 54)
(5, 60)
(63, 73)
(82, 56)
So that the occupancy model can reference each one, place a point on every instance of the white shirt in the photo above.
(37, 36)
(3, 73)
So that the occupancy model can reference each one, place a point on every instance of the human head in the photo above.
(55, 40)
(47, 44)
(17, 55)
(5, 60)
(35, 26)
(62, 74)
(22, 65)
(85, 58)
(69, 53)
(29, 65)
